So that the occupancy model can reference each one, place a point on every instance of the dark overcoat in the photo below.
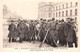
(42, 31)
(26, 31)
(31, 30)
(21, 30)
(61, 33)
(13, 33)
(71, 35)
(53, 32)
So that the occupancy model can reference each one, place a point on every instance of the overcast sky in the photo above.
(26, 9)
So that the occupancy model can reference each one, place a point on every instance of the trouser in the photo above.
(62, 42)
(75, 43)
(70, 44)
(42, 35)
(24, 38)
(32, 39)
(12, 39)
(21, 39)
(53, 43)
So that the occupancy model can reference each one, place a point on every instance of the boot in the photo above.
(9, 40)
(20, 40)
(13, 40)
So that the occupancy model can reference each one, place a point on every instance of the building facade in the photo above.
(58, 10)
(45, 10)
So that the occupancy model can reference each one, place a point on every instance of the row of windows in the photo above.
(64, 13)
(59, 7)
(64, 6)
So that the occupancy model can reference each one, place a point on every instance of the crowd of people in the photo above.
(54, 32)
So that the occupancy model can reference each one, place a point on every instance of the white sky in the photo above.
(26, 9)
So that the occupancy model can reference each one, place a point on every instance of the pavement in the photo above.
(24, 44)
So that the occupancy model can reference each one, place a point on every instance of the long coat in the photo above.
(42, 31)
(21, 30)
(53, 32)
(26, 31)
(71, 35)
(61, 32)
(13, 33)
(31, 30)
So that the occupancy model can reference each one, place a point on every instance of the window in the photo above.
(71, 4)
(59, 7)
(63, 6)
(62, 13)
(75, 11)
(53, 8)
(56, 14)
(49, 9)
(53, 14)
(59, 14)
(76, 4)
(56, 7)
(66, 5)
(70, 12)
(49, 14)
(66, 13)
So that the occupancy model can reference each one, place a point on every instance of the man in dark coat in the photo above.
(48, 38)
(71, 35)
(12, 32)
(21, 31)
(61, 34)
(32, 31)
(42, 30)
(52, 33)
(26, 32)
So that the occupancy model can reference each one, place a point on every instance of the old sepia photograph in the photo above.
(40, 24)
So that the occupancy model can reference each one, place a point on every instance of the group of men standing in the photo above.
(52, 31)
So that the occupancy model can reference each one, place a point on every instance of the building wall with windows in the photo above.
(65, 10)
(45, 10)
(58, 10)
